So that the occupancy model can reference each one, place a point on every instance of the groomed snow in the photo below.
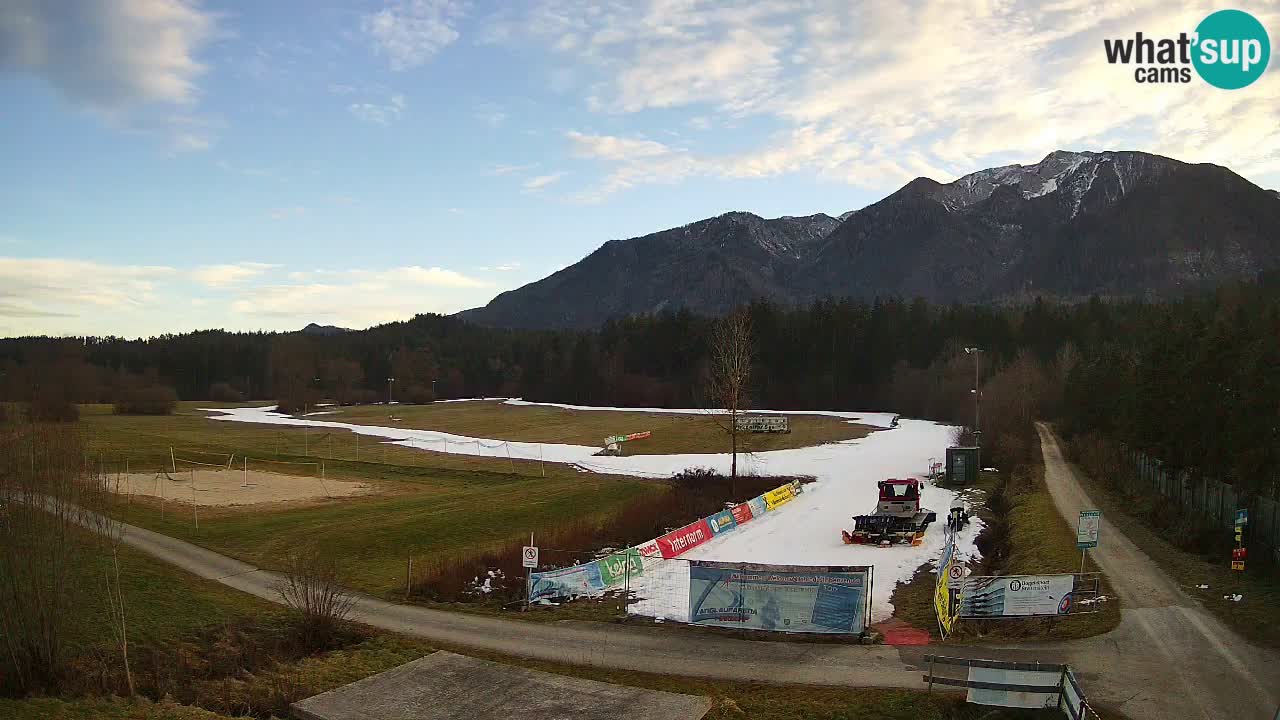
(805, 531)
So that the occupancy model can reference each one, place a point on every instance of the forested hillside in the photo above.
(1195, 382)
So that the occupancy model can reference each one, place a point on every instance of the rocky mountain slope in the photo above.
(1116, 224)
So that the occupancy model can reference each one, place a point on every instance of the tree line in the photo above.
(1194, 382)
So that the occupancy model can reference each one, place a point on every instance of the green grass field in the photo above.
(672, 433)
(428, 504)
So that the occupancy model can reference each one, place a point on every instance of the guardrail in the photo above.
(1014, 684)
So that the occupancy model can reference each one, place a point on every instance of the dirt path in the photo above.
(1169, 657)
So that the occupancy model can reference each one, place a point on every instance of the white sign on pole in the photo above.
(1089, 529)
(529, 556)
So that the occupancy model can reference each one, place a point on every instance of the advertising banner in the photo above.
(779, 496)
(742, 513)
(566, 582)
(786, 598)
(758, 506)
(686, 538)
(614, 570)
(1017, 596)
(722, 521)
(762, 423)
(945, 594)
(649, 549)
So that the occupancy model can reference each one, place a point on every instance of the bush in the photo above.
(52, 407)
(224, 392)
(146, 400)
(312, 586)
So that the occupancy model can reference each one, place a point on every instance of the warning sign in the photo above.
(529, 556)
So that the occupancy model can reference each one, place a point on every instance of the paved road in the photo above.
(1168, 658)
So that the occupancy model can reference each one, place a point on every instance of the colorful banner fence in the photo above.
(782, 598)
(610, 572)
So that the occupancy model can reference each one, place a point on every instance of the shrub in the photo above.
(312, 586)
(52, 407)
(146, 400)
(418, 395)
(224, 392)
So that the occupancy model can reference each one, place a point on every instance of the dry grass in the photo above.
(672, 433)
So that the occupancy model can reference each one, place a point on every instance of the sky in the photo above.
(168, 166)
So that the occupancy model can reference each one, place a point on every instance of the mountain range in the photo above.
(1074, 225)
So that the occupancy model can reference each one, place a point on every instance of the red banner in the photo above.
(649, 549)
(686, 538)
(742, 513)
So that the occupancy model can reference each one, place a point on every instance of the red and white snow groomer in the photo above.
(898, 518)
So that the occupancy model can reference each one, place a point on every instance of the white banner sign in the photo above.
(529, 556)
(1016, 596)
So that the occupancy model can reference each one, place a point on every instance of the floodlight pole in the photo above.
(976, 352)
(389, 381)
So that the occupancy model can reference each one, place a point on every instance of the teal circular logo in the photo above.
(1232, 49)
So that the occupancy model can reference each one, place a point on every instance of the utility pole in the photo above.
(976, 352)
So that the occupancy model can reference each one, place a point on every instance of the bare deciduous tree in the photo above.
(311, 585)
(48, 496)
(728, 373)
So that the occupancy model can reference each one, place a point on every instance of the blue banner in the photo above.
(758, 506)
(567, 582)
(785, 598)
(722, 522)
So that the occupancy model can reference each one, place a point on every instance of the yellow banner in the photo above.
(942, 603)
(779, 496)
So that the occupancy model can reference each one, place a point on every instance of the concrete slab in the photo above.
(445, 686)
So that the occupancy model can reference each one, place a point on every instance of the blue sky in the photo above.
(176, 165)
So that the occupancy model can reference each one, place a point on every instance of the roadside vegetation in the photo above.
(1192, 553)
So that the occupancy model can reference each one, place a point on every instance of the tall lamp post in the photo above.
(976, 352)
(389, 381)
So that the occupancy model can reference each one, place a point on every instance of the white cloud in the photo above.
(539, 182)
(360, 298)
(61, 296)
(285, 213)
(411, 32)
(610, 147)
(125, 60)
(511, 169)
(875, 93)
(221, 276)
(54, 287)
(380, 113)
(504, 267)
(108, 53)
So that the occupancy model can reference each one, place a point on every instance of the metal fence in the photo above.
(1214, 501)
(1012, 684)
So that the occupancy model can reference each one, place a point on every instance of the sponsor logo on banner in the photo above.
(758, 506)
(614, 568)
(649, 549)
(1017, 596)
(742, 513)
(722, 521)
(779, 496)
(566, 582)
(686, 538)
(783, 598)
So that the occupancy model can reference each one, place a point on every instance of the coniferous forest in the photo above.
(1195, 382)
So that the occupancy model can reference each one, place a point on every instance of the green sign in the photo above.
(613, 568)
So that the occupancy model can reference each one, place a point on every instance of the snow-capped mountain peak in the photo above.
(1070, 174)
